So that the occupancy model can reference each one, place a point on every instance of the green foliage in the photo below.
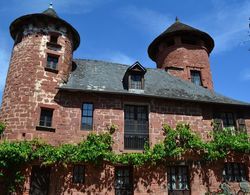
(97, 148)
(2, 127)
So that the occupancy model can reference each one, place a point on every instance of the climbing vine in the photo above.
(2, 127)
(97, 148)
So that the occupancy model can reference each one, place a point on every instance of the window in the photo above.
(178, 180)
(228, 119)
(46, 117)
(136, 127)
(123, 180)
(52, 61)
(234, 172)
(136, 81)
(78, 174)
(87, 116)
(54, 38)
(196, 77)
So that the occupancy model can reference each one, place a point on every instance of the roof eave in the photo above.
(151, 96)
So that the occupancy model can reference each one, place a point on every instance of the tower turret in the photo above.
(41, 60)
(184, 52)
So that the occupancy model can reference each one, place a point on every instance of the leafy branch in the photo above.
(97, 148)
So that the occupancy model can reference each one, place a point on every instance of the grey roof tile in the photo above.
(107, 77)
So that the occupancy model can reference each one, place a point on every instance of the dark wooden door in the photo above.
(39, 184)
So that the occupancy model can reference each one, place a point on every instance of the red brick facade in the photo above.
(180, 59)
(30, 87)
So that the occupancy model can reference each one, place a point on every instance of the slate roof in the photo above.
(51, 12)
(179, 28)
(48, 15)
(107, 77)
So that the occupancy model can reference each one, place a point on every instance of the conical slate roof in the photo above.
(179, 28)
(51, 12)
(49, 15)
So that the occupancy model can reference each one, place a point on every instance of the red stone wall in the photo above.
(100, 179)
(29, 85)
(180, 59)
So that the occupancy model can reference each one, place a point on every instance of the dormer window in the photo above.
(136, 81)
(134, 77)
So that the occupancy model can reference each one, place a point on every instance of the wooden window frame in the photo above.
(44, 124)
(87, 116)
(133, 138)
(192, 71)
(176, 175)
(135, 86)
(239, 172)
(123, 178)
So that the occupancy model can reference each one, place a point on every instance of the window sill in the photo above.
(43, 128)
(51, 70)
(133, 151)
(138, 91)
(86, 130)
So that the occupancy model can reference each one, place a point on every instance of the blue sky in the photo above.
(120, 31)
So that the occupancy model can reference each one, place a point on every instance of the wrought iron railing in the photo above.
(134, 141)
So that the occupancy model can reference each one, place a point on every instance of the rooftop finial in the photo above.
(51, 5)
(177, 19)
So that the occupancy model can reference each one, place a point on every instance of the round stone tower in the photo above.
(41, 60)
(183, 51)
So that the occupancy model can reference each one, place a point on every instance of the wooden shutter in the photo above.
(241, 125)
(217, 124)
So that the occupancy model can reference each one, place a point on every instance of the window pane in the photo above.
(177, 178)
(136, 127)
(196, 77)
(123, 181)
(78, 174)
(135, 81)
(234, 172)
(87, 116)
(52, 62)
(46, 117)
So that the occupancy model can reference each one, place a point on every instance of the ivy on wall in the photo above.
(2, 127)
(97, 148)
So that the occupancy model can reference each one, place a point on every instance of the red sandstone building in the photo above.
(49, 95)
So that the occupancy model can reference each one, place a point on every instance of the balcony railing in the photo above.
(134, 141)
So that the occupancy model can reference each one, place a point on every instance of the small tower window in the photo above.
(196, 77)
(136, 81)
(54, 38)
(46, 117)
(52, 62)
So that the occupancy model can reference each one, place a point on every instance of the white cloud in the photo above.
(118, 57)
(147, 19)
(228, 24)
(246, 75)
